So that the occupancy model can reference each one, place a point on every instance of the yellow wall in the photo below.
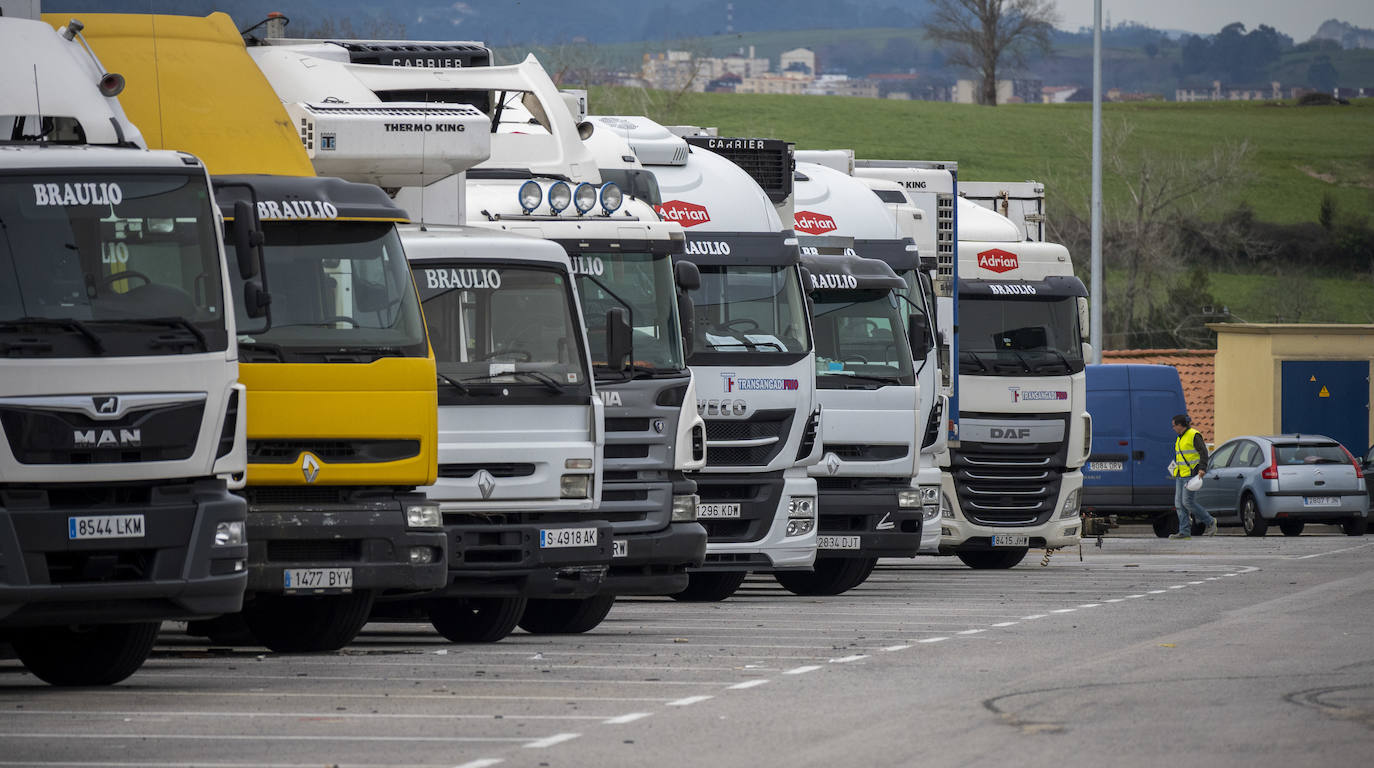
(1250, 358)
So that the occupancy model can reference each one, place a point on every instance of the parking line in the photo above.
(970, 632)
(630, 718)
(1178, 586)
(1006, 624)
(271, 737)
(687, 702)
(1034, 617)
(485, 762)
(932, 639)
(1064, 610)
(802, 670)
(549, 741)
(1156, 592)
(847, 659)
(747, 684)
(292, 715)
(896, 648)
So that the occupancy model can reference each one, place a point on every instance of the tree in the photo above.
(985, 33)
(1322, 74)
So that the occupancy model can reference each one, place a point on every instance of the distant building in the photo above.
(1230, 93)
(1020, 91)
(841, 85)
(726, 83)
(798, 63)
(776, 84)
(1057, 94)
(674, 71)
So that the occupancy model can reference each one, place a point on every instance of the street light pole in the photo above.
(1095, 307)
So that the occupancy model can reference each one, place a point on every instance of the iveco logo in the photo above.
(310, 467)
(832, 463)
(105, 404)
(485, 483)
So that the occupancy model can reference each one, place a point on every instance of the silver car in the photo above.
(1288, 480)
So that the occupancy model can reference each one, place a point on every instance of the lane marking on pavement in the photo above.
(891, 648)
(1197, 582)
(747, 684)
(1115, 600)
(1156, 592)
(970, 632)
(485, 762)
(847, 659)
(463, 680)
(802, 670)
(1064, 610)
(1178, 586)
(630, 718)
(1324, 554)
(294, 715)
(1033, 617)
(1090, 605)
(549, 741)
(1006, 624)
(384, 695)
(689, 701)
(272, 737)
(932, 639)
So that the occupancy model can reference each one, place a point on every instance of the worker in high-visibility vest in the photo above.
(1190, 459)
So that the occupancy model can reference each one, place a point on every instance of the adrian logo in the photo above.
(998, 260)
(832, 463)
(485, 483)
(107, 438)
(684, 213)
(310, 467)
(609, 397)
(105, 404)
(813, 223)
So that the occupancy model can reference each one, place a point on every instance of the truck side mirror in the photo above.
(686, 315)
(918, 335)
(808, 287)
(255, 300)
(1084, 332)
(247, 239)
(687, 275)
(619, 338)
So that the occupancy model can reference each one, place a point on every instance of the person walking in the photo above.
(1190, 460)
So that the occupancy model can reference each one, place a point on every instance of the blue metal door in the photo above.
(1327, 397)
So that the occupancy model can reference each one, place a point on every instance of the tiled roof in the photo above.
(1197, 371)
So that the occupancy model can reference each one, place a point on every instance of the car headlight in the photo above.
(575, 486)
(802, 506)
(909, 498)
(424, 516)
(685, 508)
(1070, 505)
(229, 534)
(946, 507)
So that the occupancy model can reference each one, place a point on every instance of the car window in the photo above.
(1298, 455)
(1223, 455)
(1247, 455)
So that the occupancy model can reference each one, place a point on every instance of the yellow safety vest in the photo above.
(1186, 458)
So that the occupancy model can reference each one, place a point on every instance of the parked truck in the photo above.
(122, 419)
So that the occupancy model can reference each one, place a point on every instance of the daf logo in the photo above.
(1012, 433)
(105, 404)
(659, 426)
(485, 483)
(310, 467)
(832, 463)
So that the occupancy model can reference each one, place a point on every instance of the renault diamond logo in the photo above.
(310, 468)
(832, 463)
(485, 483)
(105, 404)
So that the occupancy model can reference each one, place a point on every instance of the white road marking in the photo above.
(1178, 586)
(630, 718)
(485, 762)
(1132, 597)
(385, 695)
(747, 684)
(847, 659)
(1033, 617)
(1115, 600)
(293, 715)
(970, 632)
(272, 737)
(1064, 610)
(687, 702)
(1090, 605)
(1196, 582)
(1156, 592)
(549, 741)
(1006, 624)
(932, 639)
(802, 670)
(896, 648)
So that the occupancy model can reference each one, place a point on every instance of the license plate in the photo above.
(1321, 501)
(1010, 540)
(837, 542)
(567, 537)
(317, 579)
(1105, 466)
(105, 527)
(620, 548)
(717, 511)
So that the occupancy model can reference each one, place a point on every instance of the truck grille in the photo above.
(38, 436)
(509, 469)
(1005, 485)
(765, 424)
(758, 500)
(855, 452)
(314, 551)
(332, 451)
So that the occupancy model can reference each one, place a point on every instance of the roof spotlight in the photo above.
(530, 196)
(584, 198)
(611, 198)
(560, 195)
(111, 84)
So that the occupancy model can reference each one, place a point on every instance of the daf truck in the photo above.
(121, 418)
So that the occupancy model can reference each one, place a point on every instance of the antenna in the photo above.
(37, 102)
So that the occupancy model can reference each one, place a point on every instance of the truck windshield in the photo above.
(337, 288)
(100, 263)
(860, 340)
(497, 327)
(749, 309)
(642, 284)
(1016, 337)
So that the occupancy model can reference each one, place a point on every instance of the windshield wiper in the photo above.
(172, 322)
(64, 323)
(456, 384)
(262, 346)
(982, 366)
(1062, 358)
(869, 377)
(633, 370)
(538, 376)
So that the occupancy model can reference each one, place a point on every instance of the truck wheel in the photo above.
(990, 559)
(710, 587)
(99, 655)
(831, 576)
(1251, 519)
(1165, 525)
(1292, 527)
(230, 630)
(565, 617)
(475, 619)
(307, 624)
(1355, 526)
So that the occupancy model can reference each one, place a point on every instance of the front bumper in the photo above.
(869, 513)
(770, 495)
(366, 533)
(506, 560)
(657, 563)
(957, 533)
(174, 571)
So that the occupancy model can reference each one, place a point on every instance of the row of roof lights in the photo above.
(560, 196)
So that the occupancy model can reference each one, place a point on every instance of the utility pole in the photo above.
(1095, 308)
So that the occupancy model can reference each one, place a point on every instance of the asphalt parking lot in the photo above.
(928, 661)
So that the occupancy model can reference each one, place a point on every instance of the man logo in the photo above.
(485, 483)
(105, 404)
(310, 467)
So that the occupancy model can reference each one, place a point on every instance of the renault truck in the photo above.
(121, 419)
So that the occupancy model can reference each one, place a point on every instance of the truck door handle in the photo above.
(1138, 455)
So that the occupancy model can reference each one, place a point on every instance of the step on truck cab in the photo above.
(121, 419)
(750, 349)
(342, 429)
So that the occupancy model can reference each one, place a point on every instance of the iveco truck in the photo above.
(750, 348)
(121, 419)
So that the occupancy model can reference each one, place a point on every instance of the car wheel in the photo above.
(1355, 526)
(1251, 519)
(1292, 527)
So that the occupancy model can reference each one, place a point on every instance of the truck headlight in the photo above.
(802, 506)
(575, 486)
(946, 507)
(577, 463)
(800, 527)
(930, 502)
(909, 498)
(424, 516)
(1070, 505)
(685, 508)
(229, 534)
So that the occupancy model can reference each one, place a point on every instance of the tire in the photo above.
(1165, 525)
(1355, 526)
(230, 630)
(476, 619)
(565, 617)
(993, 559)
(99, 655)
(1250, 518)
(832, 576)
(710, 587)
(309, 623)
(1292, 527)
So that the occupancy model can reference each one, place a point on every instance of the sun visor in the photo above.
(1054, 287)
(307, 198)
(849, 273)
(772, 249)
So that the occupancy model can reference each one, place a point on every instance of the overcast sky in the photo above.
(1298, 19)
